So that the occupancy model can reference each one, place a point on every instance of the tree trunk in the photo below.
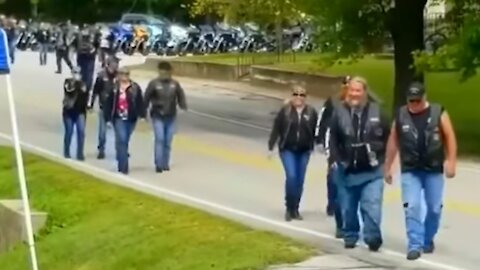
(407, 30)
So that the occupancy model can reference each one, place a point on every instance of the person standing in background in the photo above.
(294, 130)
(62, 47)
(43, 38)
(86, 54)
(12, 35)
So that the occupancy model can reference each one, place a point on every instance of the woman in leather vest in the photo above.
(294, 130)
(74, 112)
(422, 132)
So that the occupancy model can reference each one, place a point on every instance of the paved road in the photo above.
(219, 165)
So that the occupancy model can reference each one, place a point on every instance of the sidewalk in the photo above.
(329, 262)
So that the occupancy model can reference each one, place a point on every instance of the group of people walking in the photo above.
(121, 104)
(362, 145)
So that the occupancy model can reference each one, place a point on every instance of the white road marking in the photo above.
(92, 169)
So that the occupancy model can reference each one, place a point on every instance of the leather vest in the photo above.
(365, 149)
(434, 156)
(85, 46)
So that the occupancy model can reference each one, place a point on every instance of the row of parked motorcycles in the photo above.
(175, 39)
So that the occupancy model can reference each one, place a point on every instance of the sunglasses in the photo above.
(298, 95)
(414, 100)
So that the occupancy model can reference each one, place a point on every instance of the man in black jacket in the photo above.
(162, 95)
(123, 107)
(103, 87)
(74, 113)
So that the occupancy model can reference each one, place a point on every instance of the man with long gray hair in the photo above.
(359, 134)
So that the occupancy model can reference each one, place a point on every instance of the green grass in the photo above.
(93, 225)
(460, 99)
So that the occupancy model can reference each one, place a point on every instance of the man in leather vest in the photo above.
(162, 95)
(86, 54)
(74, 112)
(62, 48)
(422, 132)
(359, 134)
(103, 87)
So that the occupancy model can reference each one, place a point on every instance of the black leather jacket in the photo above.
(284, 128)
(163, 96)
(103, 87)
(136, 109)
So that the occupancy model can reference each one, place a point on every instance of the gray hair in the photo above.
(360, 80)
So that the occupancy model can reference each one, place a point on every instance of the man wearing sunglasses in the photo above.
(423, 134)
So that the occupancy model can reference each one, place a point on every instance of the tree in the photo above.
(359, 26)
(461, 49)
(353, 25)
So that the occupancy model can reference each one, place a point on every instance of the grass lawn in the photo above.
(97, 226)
(460, 99)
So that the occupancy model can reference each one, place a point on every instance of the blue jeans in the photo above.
(123, 132)
(163, 130)
(295, 166)
(102, 132)
(334, 195)
(43, 51)
(71, 121)
(87, 68)
(421, 230)
(369, 197)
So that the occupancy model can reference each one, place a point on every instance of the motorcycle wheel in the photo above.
(145, 51)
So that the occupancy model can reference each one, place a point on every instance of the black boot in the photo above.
(429, 249)
(296, 215)
(288, 215)
(101, 155)
(413, 255)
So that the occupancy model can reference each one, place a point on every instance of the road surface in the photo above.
(220, 165)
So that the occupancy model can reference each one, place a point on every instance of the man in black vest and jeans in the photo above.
(422, 132)
(86, 55)
(359, 134)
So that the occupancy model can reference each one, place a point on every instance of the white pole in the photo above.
(21, 173)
